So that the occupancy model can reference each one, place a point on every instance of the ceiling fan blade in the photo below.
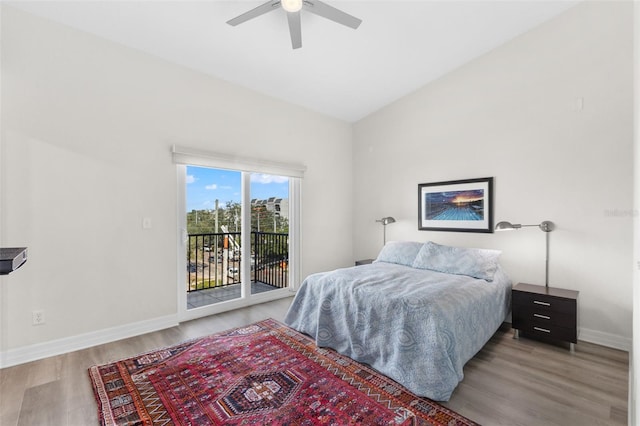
(254, 13)
(330, 12)
(294, 29)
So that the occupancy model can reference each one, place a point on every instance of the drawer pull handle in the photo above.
(542, 329)
(537, 302)
(541, 316)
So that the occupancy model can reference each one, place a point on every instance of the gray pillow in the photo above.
(400, 252)
(474, 262)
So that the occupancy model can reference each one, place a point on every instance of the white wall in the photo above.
(87, 127)
(512, 114)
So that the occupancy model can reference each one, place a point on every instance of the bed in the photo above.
(417, 314)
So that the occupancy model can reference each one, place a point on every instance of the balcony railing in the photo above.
(214, 260)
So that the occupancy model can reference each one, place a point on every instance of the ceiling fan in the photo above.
(293, 7)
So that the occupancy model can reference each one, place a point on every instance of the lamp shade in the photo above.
(507, 226)
(386, 220)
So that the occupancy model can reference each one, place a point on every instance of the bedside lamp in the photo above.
(385, 221)
(545, 227)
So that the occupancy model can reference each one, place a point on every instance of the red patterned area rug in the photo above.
(262, 374)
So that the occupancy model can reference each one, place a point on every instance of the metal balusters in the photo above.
(213, 260)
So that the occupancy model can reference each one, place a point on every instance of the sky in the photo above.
(205, 185)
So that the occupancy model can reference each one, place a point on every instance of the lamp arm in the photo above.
(545, 226)
(546, 262)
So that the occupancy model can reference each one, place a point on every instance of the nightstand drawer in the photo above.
(528, 313)
(553, 332)
(543, 302)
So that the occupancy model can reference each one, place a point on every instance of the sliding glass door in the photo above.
(269, 232)
(236, 237)
(213, 223)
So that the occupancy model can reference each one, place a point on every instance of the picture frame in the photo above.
(456, 205)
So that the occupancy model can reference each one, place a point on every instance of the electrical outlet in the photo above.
(146, 223)
(38, 317)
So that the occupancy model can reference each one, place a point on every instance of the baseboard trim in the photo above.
(605, 339)
(38, 351)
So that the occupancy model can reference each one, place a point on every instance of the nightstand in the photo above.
(364, 262)
(547, 313)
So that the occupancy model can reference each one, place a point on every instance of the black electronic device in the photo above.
(11, 259)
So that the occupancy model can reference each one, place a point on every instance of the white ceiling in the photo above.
(344, 73)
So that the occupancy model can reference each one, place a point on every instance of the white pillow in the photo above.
(474, 262)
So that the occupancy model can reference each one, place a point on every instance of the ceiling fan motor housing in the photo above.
(293, 8)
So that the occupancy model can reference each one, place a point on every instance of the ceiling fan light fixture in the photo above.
(291, 5)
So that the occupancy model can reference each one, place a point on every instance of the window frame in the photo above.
(183, 157)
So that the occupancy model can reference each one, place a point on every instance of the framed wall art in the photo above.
(457, 205)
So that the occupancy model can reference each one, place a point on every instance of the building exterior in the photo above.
(280, 206)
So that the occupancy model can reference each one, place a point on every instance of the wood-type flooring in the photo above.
(509, 382)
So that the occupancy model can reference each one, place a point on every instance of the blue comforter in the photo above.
(416, 326)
